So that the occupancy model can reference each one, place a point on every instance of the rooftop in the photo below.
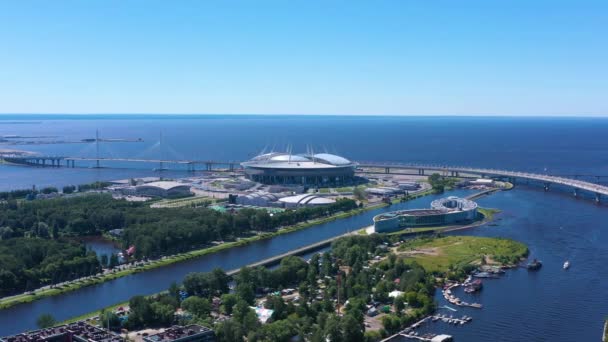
(177, 332)
(306, 199)
(287, 160)
(81, 331)
(165, 185)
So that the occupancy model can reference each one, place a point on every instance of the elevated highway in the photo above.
(363, 166)
(451, 171)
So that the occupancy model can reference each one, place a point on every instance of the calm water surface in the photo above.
(551, 305)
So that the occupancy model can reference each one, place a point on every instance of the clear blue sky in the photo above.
(492, 57)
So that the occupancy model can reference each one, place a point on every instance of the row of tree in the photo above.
(27, 225)
(28, 263)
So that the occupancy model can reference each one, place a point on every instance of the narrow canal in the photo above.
(23, 317)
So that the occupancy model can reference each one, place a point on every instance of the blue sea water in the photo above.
(551, 305)
(551, 145)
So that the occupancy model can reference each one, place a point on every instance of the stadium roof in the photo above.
(286, 160)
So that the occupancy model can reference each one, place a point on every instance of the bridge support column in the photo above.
(231, 166)
(421, 172)
(387, 170)
(547, 185)
(208, 166)
(597, 198)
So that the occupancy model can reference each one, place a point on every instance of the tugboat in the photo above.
(535, 265)
(567, 265)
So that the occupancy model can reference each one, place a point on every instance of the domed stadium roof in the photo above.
(287, 158)
(332, 159)
(281, 159)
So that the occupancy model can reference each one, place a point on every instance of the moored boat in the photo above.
(534, 265)
(567, 265)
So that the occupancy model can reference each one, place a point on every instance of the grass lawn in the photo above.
(439, 254)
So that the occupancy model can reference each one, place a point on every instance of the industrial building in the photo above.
(190, 333)
(307, 169)
(445, 211)
(73, 332)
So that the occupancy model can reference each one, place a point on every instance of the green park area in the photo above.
(439, 255)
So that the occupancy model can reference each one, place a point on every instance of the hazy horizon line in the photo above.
(312, 114)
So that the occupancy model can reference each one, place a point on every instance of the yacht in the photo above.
(567, 265)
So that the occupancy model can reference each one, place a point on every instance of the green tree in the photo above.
(113, 261)
(245, 292)
(228, 302)
(197, 306)
(333, 329)
(359, 193)
(229, 331)
(399, 305)
(352, 330)
(104, 260)
(45, 321)
(109, 320)
(174, 291)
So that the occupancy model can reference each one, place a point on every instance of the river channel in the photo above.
(23, 317)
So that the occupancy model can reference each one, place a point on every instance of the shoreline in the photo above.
(23, 298)
(76, 284)
(92, 314)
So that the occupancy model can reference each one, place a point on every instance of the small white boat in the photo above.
(566, 265)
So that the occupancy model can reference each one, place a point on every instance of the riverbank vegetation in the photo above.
(44, 228)
(303, 297)
(367, 279)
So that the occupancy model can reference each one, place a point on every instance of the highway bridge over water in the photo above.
(546, 180)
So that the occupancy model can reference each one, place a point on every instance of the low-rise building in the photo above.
(409, 186)
(177, 333)
(163, 189)
(258, 199)
(482, 181)
(305, 200)
(79, 332)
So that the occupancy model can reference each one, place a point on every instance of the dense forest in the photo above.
(312, 316)
(27, 263)
(49, 224)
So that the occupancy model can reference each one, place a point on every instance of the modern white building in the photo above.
(163, 189)
(305, 200)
